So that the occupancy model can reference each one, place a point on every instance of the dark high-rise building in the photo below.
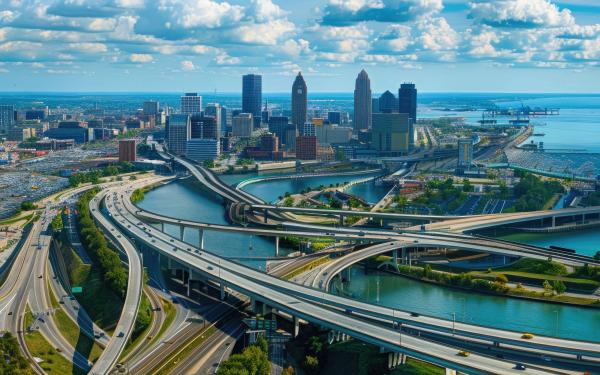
(151, 108)
(407, 103)
(388, 103)
(306, 147)
(278, 126)
(214, 110)
(252, 96)
(178, 133)
(362, 102)
(375, 105)
(299, 101)
(334, 117)
(7, 117)
(36, 114)
(205, 127)
(127, 151)
(390, 133)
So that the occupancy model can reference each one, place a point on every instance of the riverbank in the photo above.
(480, 283)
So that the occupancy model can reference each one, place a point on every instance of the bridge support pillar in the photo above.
(346, 274)
(223, 292)
(201, 239)
(396, 359)
(449, 371)
(296, 326)
(181, 230)
(162, 226)
(253, 304)
(265, 215)
(579, 357)
(330, 337)
(553, 221)
(395, 257)
(189, 282)
(277, 246)
(341, 220)
(404, 256)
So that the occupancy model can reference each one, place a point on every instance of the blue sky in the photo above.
(206, 45)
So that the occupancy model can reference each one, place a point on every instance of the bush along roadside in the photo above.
(113, 272)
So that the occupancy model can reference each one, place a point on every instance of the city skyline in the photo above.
(441, 46)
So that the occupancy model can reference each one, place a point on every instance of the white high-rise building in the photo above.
(242, 125)
(191, 104)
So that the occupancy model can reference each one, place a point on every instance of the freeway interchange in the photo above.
(223, 271)
(129, 228)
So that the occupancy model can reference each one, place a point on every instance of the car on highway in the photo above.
(520, 366)
(464, 353)
(414, 314)
(527, 336)
(210, 268)
(121, 334)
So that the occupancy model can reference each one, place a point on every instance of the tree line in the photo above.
(113, 272)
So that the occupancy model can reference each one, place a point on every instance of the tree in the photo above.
(597, 255)
(208, 164)
(57, 223)
(27, 206)
(547, 287)
(311, 364)
(559, 287)
(467, 185)
(288, 371)
(315, 345)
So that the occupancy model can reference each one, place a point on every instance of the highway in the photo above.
(432, 239)
(495, 335)
(261, 287)
(109, 357)
(469, 224)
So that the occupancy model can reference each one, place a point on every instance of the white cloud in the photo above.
(187, 65)
(520, 13)
(140, 58)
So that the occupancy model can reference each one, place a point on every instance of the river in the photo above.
(187, 200)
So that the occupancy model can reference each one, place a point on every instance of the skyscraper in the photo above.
(7, 117)
(205, 127)
(299, 101)
(334, 117)
(191, 104)
(252, 96)
(388, 103)
(127, 150)
(390, 133)
(362, 102)
(278, 126)
(151, 108)
(178, 133)
(214, 110)
(407, 103)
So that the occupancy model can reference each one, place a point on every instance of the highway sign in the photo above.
(76, 289)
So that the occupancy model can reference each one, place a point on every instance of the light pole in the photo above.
(453, 322)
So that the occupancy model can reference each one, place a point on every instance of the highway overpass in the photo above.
(388, 315)
(208, 266)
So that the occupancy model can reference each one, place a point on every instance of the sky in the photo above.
(206, 45)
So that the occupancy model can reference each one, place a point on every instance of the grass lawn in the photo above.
(53, 362)
(101, 303)
(355, 357)
(170, 313)
(167, 365)
(71, 332)
(145, 314)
